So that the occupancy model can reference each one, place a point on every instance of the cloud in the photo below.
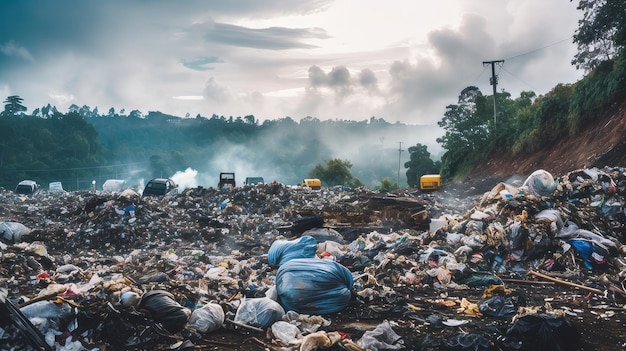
(273, 38)
(200, 64)
(368, 80)
(12, 49)
(215, 92)
(279, 58)
(338, 80)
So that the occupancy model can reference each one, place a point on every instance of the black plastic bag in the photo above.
(497, 306)
(164, 309)
(542, 332)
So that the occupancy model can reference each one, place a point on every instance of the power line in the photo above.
(541, 48)
(512, 75)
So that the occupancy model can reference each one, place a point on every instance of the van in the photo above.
(27, 187)
(254, 180)
(314, 184)
(55, 187)
(114, 185)
(160, 187)
(430, 182)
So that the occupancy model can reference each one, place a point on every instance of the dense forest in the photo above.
(82, 145)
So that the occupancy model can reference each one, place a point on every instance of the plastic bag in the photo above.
(314, 286)
(542, 332)
(164, 309)
(47, 315)
(207, 318)
(282, 251)
(286, 332)
(259, 312)
(381, 338)
(13, 231)
(497, 306)
(592, 254)
(540, 183)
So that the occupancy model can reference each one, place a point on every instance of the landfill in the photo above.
(532, 262)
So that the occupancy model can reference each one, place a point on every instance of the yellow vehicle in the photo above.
(314, 184)
(430, 182)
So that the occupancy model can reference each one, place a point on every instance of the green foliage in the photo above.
(597, 91)
(466, 137)
(419, 164)
(335, 172)
(601, 33)
(386, 185)
(44, 150)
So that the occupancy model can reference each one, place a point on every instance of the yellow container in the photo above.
(430, 182)
(314, 184)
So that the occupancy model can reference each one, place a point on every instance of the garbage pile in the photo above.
(526, 265)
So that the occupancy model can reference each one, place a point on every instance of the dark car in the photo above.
(160, 187)
(27, 187)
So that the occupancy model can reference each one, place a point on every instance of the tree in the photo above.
(336, 172)
(419, 164)
(249, 119)
(13, 105)
(386, 184)
(467, 132)
(601, 33)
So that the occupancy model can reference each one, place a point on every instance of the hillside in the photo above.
(601, 143)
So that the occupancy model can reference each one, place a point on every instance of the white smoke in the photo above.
(186, 179)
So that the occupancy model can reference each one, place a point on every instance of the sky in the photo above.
(400, 60)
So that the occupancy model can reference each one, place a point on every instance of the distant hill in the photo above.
(601, 143)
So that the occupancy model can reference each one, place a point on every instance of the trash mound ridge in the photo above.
(247, 268)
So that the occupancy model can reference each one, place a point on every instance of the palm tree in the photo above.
(13, 105)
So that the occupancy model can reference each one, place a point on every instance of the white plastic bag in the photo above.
(207, 318)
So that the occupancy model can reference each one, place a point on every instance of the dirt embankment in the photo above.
(601, 143)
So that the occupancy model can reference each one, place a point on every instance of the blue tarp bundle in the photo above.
(282, 251)
(313, 286)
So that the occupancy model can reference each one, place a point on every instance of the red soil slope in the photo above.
(601, 143)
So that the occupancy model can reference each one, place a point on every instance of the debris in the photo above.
(558, 281)
(334, 263)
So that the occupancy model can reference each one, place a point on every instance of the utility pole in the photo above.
(493, 81)
(399, 156)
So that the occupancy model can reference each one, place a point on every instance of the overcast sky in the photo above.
(401, 60)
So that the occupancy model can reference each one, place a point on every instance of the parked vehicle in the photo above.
(27, 187)
(314, 184)
(254, 180)
(430, 182)
(55, 187)
(160, 187)
(226, 179)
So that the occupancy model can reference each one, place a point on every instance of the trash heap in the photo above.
(526, 265)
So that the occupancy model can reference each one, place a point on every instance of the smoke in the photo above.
(186, 179)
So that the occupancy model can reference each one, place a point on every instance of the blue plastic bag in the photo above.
(313, 286)
(591, 253)
(282, 251)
